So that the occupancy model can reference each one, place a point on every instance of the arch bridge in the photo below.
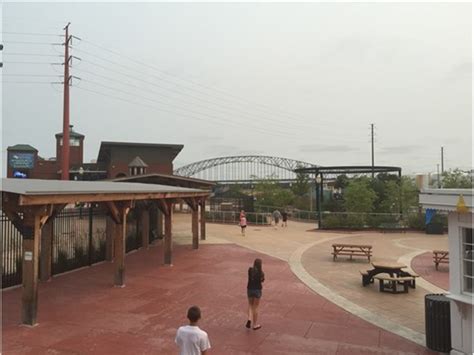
(244, 168)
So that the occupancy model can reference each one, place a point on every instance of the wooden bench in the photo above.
(390, 284)
(440, 257)
(406, 273)
(392, 227)
(352, 250)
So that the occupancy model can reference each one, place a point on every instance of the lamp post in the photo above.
(318, 198)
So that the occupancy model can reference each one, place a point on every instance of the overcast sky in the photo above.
(302, 81)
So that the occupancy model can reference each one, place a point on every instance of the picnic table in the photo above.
(440, 257)
(351, 250)
(394, 269)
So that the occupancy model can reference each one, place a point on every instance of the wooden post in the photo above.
(195, 226)
(203, 219)
(145, 227)
(109, 239)
(31, 241)
(168, 242)
(46, 250)
(119, 243)
(160, 224)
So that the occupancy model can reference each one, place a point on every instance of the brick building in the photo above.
(115, 159)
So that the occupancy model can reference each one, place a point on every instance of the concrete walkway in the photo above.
(81, 313)
(308, 253)
(303, 310)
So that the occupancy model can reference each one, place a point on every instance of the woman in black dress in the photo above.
(254, 292)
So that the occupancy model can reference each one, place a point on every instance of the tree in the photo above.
(270, 193)
(359, 196)
(409, 194)
(456, 179)
(341, 181)
(301, 186)
(391, 200)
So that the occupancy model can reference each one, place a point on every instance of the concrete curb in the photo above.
(298, 269)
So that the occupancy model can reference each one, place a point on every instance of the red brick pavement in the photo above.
(423, 265)
(81, 313)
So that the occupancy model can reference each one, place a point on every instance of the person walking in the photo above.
(243, 223)
(284, 219)
(192, 340)
(276, 217)
(256, 277)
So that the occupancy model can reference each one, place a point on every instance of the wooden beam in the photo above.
(145, 226)
(192, 203)
(46, 249)
(15, 218)
(26, 200)
(167, 242)
(163, 205)
(195, 228)
(31, 240)
(119, 246)
(203, 219)
(114, 212)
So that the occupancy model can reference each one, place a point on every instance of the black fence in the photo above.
(12, 251)
(79, 239)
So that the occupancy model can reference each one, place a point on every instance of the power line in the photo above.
(30, 34)
(212, 117)
(166, 110)
(33, 54)
(232, 110)
(227, 110)
(34, 75)
(16, 62)
(25, 82)
(221, 92)
(35, 43)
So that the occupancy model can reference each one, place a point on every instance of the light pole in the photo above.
(318, 198)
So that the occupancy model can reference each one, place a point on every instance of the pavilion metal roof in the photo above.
(165, 179)
(35, 191)
(55, 187)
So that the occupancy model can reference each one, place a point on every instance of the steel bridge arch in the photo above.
(282, 163)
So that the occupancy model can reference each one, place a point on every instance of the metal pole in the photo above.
(439, 178)
(65, 147)
(319, 210)
(442, 160)
(373, 159)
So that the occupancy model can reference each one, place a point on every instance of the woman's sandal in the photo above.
(257, 327)
(247, 325)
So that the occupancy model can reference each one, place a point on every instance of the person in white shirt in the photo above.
(192, 340)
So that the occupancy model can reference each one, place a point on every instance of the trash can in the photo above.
(434, 228)
(438, 323)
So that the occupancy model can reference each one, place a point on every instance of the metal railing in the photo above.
(12, 251)
(232, 217)
(79, 239)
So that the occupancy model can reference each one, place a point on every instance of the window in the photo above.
(468, 259)
(73, 142)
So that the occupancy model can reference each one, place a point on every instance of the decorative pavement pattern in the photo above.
(81, 313)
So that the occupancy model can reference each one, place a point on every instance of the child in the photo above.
(190, 338)
(243, 223)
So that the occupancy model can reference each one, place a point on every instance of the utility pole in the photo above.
(442, 160)
(439, 181)
(67, 79)
(373, 158)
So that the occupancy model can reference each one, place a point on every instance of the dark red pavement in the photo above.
(81, 313)
(423, 265)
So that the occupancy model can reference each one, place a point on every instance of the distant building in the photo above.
(115, 159)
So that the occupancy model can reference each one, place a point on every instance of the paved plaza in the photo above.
(310, 304)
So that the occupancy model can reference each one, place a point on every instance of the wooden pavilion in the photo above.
(31, 205)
